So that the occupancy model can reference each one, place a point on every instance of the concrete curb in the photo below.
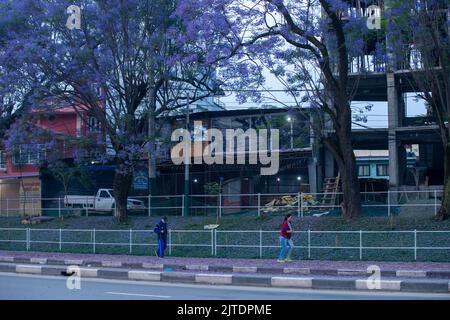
(238, 269)
(251, 280)
(255, 280)
(28, 268)
(333, 284)
(179, 277)
(144, 275)
(411, 273)
(388, 285)
(291, 282)
(214, 278)
(424, 286)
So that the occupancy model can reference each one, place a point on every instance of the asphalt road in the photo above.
(29, 287)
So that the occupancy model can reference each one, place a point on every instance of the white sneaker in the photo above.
(280, 261)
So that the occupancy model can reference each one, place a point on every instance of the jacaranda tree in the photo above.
(117, 65)
(297, 41)
(421, 40)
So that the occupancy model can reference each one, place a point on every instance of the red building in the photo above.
(19, 171)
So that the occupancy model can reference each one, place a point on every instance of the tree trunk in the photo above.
(346, 160)
(444, 211)
(151, 138)
(351, 204)
(121, 186)
(151, 153)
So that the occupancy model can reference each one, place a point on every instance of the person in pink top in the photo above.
(285, 239)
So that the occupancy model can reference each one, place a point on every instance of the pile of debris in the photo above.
(35, 219)
(286, 203)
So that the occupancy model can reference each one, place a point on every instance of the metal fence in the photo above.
(388, 203)
(328, 245)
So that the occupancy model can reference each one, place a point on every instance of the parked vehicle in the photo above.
(103, 201)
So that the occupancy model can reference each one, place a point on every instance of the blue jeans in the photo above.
(162, 244)
(285, 243)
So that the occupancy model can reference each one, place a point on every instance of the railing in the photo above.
(310, 244)
(366, 64)
(409, 57)
(388, 203)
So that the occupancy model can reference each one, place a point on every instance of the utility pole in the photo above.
(187, 160)
(151, 94)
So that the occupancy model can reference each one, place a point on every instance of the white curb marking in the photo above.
(38, 260)
(214, 278)
(152, 266)
(411, 273)
(6, 259)
(111, 264)
(291, 282)
(349, 272)
(244, 269)
(197, 267)
(144, 275)
(73, 262)
(28, 269)
(297, 270)
(391, 285)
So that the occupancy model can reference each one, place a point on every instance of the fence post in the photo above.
(59, 207)
(182, 205)
(215, 242)
(60, 239)
(360, 245)
(7, 207)
(415, 244)
(389, 203)
(220, 205)
(300, 203)
(149, 205)
(212, 242)
(87, 207)
(93, 240)
(259, 204)
(435, 203)
(28, 239)
(260, 243)
(309, 244)
(170, 242)
(131, 241)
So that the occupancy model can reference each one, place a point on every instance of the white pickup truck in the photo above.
(103, 201)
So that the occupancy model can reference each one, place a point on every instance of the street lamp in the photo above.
(289, 119)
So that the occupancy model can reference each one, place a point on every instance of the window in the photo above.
(104, 194)
(96, 89)
(94, 124)
(382, 170)
(25, 157)
(2, 160)
(364, 171)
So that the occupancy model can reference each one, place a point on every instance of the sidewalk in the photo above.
(225, 262)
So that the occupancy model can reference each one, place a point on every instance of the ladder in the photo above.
(332, 186)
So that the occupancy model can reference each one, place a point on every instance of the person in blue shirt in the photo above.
(161, 231)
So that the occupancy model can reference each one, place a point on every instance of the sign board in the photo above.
(140, 181)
